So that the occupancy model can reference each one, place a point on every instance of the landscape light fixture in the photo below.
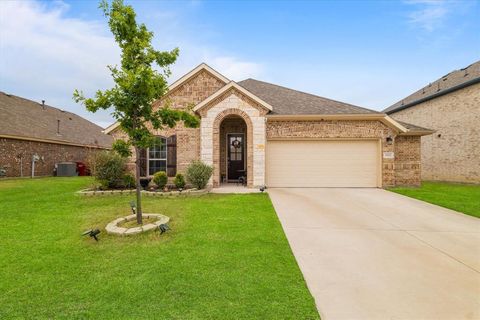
(163, 228)
(262, 188)
(133, 206)
(92, 233)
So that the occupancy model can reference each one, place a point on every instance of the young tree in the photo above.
(137, 85)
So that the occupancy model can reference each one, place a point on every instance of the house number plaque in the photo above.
(388, 155)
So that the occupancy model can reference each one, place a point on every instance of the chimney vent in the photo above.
(43, 104)
(58, 126)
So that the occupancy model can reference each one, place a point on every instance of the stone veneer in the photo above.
(231, 103)
(452, 153)
(230, 125)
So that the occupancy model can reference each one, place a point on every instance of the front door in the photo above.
(235, 156)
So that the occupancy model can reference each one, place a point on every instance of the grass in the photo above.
(226, 257)
(460, 197)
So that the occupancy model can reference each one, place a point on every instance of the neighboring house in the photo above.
(450, 106)
(281, 137)
(28, 128)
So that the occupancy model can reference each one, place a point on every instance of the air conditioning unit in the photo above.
(66, 169)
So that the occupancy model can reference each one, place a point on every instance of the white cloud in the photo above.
(236, 69)
(430, 15)
(46, 55)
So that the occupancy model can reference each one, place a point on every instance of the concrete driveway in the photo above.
(373, 254)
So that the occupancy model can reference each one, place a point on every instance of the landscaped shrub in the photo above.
(129, 181)
(198, 174)
(109, 169)
(160, 179)
(179, 181)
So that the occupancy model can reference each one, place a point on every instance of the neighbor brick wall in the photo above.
(11, 150)
(327, 129)
(191, 92)
(454, 155)
(407, 161)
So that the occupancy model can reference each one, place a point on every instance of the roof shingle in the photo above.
(292, 102)
(455, 79)
(29, 119)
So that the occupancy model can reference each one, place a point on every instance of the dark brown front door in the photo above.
(235, 156)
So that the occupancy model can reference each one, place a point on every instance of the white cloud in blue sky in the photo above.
(430, 15)
(366, 53)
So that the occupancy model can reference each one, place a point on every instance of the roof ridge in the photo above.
(445, 84)
(10, 95)
(310, 94)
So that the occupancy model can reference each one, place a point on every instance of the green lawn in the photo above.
(225, 258)
(460, 197)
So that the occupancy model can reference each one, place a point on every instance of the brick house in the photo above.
(450, 106)
(28, 128)
(281, 137)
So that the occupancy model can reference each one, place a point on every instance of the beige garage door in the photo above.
(334, 163)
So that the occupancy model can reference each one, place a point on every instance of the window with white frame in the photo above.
(157, 156)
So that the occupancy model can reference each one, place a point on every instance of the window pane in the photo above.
(156, 165)
(158, 150)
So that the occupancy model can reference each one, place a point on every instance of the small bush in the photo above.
(109, 169)
(198, 174)
(160, 179)
(179, 181)
(129, 181)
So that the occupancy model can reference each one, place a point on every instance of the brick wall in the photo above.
(339, 129)
(407, 161)
(455, 154)
(191, 92)
(13, 150)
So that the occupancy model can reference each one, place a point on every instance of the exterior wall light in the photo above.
(389, 140)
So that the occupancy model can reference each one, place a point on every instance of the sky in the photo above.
(367, 53)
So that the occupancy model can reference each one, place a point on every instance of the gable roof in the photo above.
(200, 67)
(29, 120)
(450, 82)
(232, 85)
(177, 83)
(287, 101)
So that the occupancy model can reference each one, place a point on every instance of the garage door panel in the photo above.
(322, 163)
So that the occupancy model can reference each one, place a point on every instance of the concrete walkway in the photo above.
(374, 254)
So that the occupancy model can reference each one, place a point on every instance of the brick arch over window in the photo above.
(216, 144)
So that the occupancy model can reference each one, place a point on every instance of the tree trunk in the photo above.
(139, 187)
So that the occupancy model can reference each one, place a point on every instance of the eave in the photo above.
(62, 142)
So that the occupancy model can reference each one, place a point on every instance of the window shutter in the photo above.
(172, 156)
(142, 157)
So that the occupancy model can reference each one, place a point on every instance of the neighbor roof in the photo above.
(450, 82)
(28, 119)
(287, 101)
(414, 128)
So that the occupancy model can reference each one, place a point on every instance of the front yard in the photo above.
(226, 257)
(460, 197)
